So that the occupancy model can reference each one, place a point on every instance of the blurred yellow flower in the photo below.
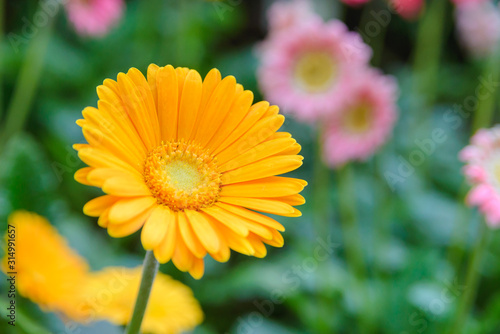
(55, 277)
(189, 161)
(110, 295)
(48, 270)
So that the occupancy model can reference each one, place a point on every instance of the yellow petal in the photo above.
(156, 227)
(130, 226)
(197, 269)
(183, 258)
(258, 246)
(204, 230)
(261, 131)
(192, 243)
(267, 167)
(98, 176)
(273, 186)
(137, 110)
(211, 81)
(225, 218)
(126, 187)
(168, 97)
(263, 205)
(254, 114)
(128, 208)
(152, 74)
(189, 105)
(81, 175)
(237, 243)
(255, 216)
(236, 114)
(292, 199)
(165, 250)
(216, 110)
(95, 207)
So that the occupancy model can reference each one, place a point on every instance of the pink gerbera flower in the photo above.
(94, 17)
(482, 170)
(303, 69)
(463, 2)
(478, 27)
(408, 9)
(286, 14)
(366, 120)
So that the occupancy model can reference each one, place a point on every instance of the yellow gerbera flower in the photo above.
(190, 162)
(110, 295)
(47, 269)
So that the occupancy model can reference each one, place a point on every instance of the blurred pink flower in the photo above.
(408, 9)
(366, 121)
(303, 69)
(286, 14)
(478, 27)
(463, 2)
(355, 2)
(482, 170)
(94, 17)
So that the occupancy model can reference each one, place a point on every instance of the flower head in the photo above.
(189, 162)
(48, 270)
(94, 17)
(365, 122)
(304, 70)
(482, 170)
(110, 295)
(408, 9)
(478, 27)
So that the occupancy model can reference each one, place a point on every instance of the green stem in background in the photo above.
(321, 183)
(428, 48)
(427, 57)
(27, 83)
(373, 31)
(2, 22)
(353, 244)
(348, 217)
(149, 270)
(471, 281)
(321, 218)
(486, 106)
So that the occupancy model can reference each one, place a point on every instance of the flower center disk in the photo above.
(182, 175)
(358, 119)
(315, 72)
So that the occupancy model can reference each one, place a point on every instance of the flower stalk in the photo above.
(471, 281)
(353, 244)
(149, 270)
(27, 82)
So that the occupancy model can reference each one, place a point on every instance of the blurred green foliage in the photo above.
(416, 238)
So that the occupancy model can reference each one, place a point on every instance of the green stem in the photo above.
(2, 16)
(348, 217)
(471, 281)
(375, 39)
(353, 244)
(430, 37)
(27, 83)
(486, 106)
(149, 270)
(321, 180)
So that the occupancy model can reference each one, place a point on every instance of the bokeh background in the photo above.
(417, 234)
